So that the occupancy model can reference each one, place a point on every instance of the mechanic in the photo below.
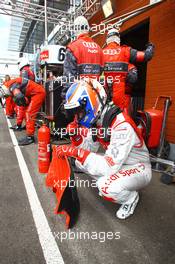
(31, 95)
(84, 57)
(125, 166)
(10, 105)
(116, 64)
(27, 74)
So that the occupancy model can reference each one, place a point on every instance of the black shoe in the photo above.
(10, 117)
(16, 128)
(27, 140)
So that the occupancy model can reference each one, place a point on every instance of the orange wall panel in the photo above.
(160, 70)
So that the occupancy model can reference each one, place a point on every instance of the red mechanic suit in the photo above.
(116, 67)
(10, 106)
(125, 166)
(31, 93)
(84, 58)
(25, 73)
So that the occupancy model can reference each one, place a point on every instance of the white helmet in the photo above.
(81, 25)
(113, 35)
(4, 91)
(23, 62)
(86, 100)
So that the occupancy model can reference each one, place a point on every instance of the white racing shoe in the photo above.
(127, 209)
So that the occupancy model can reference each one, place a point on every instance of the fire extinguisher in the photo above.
(43, 149)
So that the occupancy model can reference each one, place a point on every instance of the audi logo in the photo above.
(112, 51)
(90, 45)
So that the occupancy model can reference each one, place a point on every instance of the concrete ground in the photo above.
(146, 237)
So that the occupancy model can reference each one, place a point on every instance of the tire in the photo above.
(166, 178)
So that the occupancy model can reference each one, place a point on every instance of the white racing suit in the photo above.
(124, 168)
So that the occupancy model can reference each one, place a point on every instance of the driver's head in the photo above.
(86, 100)
(113, 35)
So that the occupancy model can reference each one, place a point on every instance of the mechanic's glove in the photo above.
(70, 151)
(132, 76)
(150, 44)
(149, 52)
(19, 99)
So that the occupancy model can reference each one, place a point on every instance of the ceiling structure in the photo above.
(27, 23)
(27, 29)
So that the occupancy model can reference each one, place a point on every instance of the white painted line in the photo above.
(49, 246)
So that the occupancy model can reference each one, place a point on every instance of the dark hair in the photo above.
(7, 77)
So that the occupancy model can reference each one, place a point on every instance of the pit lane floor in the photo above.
(146, 237)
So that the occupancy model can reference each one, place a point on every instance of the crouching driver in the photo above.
(125, 167)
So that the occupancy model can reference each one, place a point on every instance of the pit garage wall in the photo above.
(161, 70)
(161, 73)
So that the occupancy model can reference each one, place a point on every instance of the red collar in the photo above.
(83, 35)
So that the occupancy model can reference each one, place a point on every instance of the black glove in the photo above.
(109, 90)
(150, 44)
(149, 52)
(132, 76)
(20, 100)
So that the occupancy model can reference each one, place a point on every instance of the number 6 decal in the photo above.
(61, 54)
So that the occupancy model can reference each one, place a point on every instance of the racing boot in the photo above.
(16, 128)
(128, 208)
(27, 140)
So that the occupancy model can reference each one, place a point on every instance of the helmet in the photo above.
(86, 100)
(113, 35)
(81, 25)
(23, 62)
(4, 91)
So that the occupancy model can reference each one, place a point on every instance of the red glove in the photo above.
(76, 133)
(72, 128)
(27, 100)
(70, 151)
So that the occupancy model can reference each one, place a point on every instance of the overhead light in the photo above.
(107, 7)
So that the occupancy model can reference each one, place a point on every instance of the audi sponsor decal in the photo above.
(112, 51)
(116, 67)
(89, 69)
(90, 45)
